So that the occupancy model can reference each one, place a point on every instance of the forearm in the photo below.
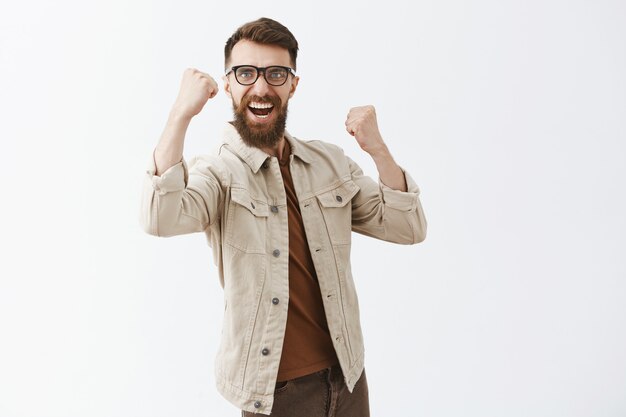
(169, 150)
(385, 213)
(195, 89)
(389, 172)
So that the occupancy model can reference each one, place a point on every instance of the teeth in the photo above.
(255, 105)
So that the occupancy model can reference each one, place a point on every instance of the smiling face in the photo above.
(260, 109)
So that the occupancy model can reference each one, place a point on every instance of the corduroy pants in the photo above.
(321, 394)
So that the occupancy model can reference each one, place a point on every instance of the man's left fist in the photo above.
(361, 123)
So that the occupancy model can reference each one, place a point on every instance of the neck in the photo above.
(277, 150)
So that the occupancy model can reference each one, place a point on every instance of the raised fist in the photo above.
(196, 88)
(361, 123)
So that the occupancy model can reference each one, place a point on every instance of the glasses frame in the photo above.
(260, 70)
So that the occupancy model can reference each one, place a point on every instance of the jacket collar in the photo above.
(255, 157)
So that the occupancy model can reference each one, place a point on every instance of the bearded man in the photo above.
(278, 213)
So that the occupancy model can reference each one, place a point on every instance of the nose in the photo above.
(260, 87)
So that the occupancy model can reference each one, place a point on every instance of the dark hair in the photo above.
(265, 31)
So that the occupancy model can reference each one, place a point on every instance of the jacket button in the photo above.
(265, 165)
(265, 351)
(339, 199)
(257, 404)
(274, 209)
(276, 253)
(275, 301)
(252, 204)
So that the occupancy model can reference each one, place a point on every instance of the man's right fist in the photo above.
(196, 89)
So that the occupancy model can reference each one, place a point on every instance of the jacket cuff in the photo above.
(401, 200)
(174, 178)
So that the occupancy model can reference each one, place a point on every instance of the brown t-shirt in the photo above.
(308, 346)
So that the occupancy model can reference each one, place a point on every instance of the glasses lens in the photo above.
(276, 75)
(246, 75)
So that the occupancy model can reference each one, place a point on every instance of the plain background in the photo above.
(510, 115)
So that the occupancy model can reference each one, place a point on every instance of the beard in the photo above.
(260, 135)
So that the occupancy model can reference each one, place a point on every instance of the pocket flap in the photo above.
(340, 196)
(243, 198)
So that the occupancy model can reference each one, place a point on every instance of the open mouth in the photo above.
(261, 110)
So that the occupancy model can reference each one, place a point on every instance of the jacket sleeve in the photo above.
(181, 200)
(384, 213)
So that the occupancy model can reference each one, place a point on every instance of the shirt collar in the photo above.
(255, 157)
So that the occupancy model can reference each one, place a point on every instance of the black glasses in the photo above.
(275, 75)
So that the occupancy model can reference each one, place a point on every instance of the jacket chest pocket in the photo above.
(246, 222)
(337, 211)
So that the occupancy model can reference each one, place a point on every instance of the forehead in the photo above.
(259, 55)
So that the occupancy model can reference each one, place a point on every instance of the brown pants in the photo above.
(321, 394)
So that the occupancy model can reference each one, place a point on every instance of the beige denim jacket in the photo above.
(237, 198)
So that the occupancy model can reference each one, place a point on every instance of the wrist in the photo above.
(178, 115)
(380, 153)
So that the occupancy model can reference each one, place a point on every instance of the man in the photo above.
(278, 213)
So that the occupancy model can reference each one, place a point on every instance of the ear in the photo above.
(226, 86)
(294, 85)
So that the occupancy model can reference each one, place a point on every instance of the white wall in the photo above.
(509, 114)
